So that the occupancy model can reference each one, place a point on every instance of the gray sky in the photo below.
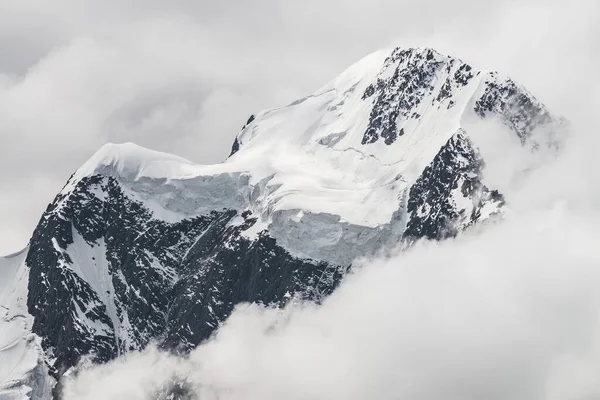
(183, 76)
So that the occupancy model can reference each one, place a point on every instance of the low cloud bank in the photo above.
(506, 311)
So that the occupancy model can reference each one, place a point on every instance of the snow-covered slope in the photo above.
(346, 156)
(141, 245)
(23, 374)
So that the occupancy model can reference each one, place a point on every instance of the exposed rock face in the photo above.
(520, 111)
(121, 277)
(142, 246)
(406, 79)
(450, 195)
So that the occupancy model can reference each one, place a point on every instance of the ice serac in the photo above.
(143, 246)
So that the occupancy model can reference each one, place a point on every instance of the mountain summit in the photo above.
(143, 246)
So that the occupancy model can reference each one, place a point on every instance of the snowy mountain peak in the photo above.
(351, 152)
(144, 246)
(400, 96)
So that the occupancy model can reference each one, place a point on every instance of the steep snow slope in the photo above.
(355, 146)
(22, 371)
(141, 245)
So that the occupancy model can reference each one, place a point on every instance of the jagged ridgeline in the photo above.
(142, 247)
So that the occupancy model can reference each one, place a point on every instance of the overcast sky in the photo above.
(183, 76)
